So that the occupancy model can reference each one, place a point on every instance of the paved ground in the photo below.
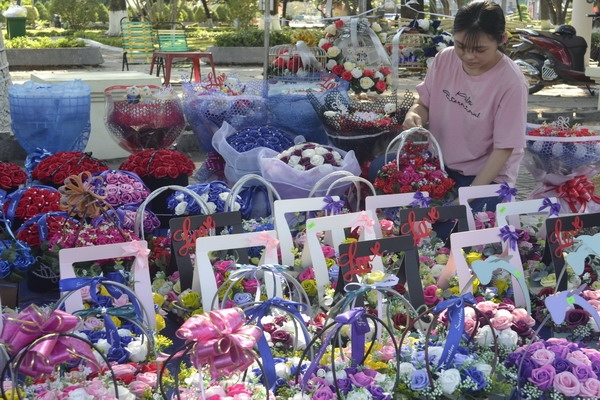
(575, 102)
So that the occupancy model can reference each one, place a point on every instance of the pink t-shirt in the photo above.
(472, 115)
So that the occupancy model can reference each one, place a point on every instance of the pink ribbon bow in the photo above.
(31, 324)
(365, 221)
(221, 340)
(264, 239)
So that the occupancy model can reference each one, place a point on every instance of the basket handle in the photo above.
(327, 177)
(125, 87)
(239, 185)
(139, 215)
(346, 176)
(403, 137)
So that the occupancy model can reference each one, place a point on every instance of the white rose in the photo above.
(323, 42)
(80, 394)
(449, 380)
(124, 332)
(435, 353)
(366, 83)
(485, 336)
(440, 46)
(333, 52)
(406, 368)
(124, 393)
(299, 168)
(349, 66)
(320, 150)
(212, 207)
(294, 160)
(180, 208)
(223, 195)
(317, 160)
(336, 156)
(300, 396)
(376, 27)
(330, 114)
(165, 288)
(215, 390)
(379, 76)
(423, 24)
(484, 368)
(282, 370)
(103, 345)
(330, 30)
(436, 270)
(308, 153)
(357, 73)
(236, 206)
(330, 64)
(382, 37)
(138, 350)
(508, 338)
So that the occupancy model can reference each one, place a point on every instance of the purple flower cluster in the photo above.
(348, 380)
(559, 366)
(123, 187)
(264, 136)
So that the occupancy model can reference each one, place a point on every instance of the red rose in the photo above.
(326, 46)
(338, 70)
(347, 76)
(380, 86)
(369, 73)
(294, 64)
(339, 24)
(385, 71)
(280, 63)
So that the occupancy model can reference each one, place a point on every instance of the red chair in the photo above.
(173, 48)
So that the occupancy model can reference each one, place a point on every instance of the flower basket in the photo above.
(27, 202)
(290, 109)
(12, 177)
(363, 125)
(123, 187)
(295, 59)
(419, 166)
(141, 118)
(54, 117)
(223, 99)
(564, 160)
(53, 170)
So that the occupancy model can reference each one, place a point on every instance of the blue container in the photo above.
(53, 117)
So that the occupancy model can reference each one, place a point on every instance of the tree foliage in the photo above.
(76, 13)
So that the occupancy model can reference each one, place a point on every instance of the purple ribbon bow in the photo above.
(554, 208)
(420, 200)
(332, 207)
(509, 236)
(506, 193)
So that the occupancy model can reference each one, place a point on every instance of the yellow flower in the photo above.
(596, 285)
(330, 262)
(473, 256)
(160, 323)
(13, 394)
(441, 259)
(549, 280)
(454, 290)
(306, 36)
(310, 287)
(375, 276)
(190, 299)
(475, 285)
(159, 299)
(198, 311)
(376, 365)
(177, 287)
(116, 320)
(502, 286)
(156, 284)
(104, 291)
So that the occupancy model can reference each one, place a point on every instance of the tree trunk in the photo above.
(446, 6)
(544, 11)
(5, 82)
(114, 22)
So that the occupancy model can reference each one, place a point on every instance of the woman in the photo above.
(474, 102)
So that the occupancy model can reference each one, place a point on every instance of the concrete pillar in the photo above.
(583, 24)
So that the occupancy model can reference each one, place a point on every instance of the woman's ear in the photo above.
(505, 37)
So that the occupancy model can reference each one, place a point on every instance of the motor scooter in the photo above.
(550, 58)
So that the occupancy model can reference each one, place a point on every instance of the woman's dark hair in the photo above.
(480, 17)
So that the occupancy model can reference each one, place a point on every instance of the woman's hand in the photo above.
(417, 116)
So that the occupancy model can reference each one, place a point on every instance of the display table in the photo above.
(101, 143)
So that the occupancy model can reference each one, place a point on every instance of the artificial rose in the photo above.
(330, 30)
(366, 83)
(138, 350)
(578, 357)
(543, 377)
(502, 320)
(333, 52)
(576, 317)
(485, 336)
(543, 357)
(431, 295)
(567, 384)
(349, 66)
(419, 380)
(590, 388)
(449, 380)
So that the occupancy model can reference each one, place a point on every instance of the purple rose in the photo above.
(576, 317)
(561, 365)
(111, 178)
(127, 188)
(419, 380)
(351, 370)
(361, 379)
(126, 198)
(324, 393)
(513, 359)
(596, 367)
(527, 365)
(583, 372)
(344, 385)
(112, 199)
(378, 393)
(560, 351)
(543, 377)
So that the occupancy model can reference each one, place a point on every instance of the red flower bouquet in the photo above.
(55, 169)
(11, 176)
(418, 170)
(27, 202)
(162, 163)
(53, 223)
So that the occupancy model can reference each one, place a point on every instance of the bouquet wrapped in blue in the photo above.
(54, 117)
(222, 99)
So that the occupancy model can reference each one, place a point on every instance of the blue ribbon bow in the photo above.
(420, 200)
(356, 289)
(509, 236)
(506, 193)
(332, 207)
(554, 208)
(456, 324)
(34, 158)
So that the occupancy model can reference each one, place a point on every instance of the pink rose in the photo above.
(470, 324)
(123, 300)
(502, 320)
(85, 293)
(578, 357)
(387, 226)
(174, 277)
(93, 323)
(430, 294)
(567, 384)
(591, 294)
(487, 307)
(123, 369)
(149, 378)
(307, 274)
(543, 357)
(250, 285)
(521, 315)
(387, 353)
(590, 388)
(138, 388)
(238, 388)
(328, 251)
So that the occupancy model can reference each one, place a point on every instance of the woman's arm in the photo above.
(492, 167)
(417, 115)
